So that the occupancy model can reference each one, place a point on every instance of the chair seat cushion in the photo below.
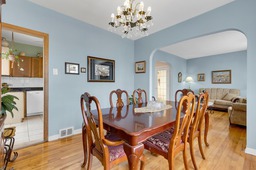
(160, 141)
(115, 152)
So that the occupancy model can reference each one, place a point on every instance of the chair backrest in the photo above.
(180, 134)
(202, 102)
(179, 93)
(139, 99)
(119, 101)
(95, 135)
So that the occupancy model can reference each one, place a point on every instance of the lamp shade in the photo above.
(189, 79)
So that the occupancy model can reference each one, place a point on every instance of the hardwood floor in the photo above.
(226, 152)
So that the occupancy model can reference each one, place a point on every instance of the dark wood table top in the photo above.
(137, 127)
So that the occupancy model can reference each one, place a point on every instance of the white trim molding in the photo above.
(56, 137)
(250, 151)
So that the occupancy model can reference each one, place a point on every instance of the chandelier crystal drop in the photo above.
(131, 19)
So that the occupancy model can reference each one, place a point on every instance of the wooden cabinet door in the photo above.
(23, 69)
(36, 67)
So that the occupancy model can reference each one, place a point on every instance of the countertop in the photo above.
(18, 89)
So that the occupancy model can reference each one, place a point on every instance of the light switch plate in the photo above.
(55, 71)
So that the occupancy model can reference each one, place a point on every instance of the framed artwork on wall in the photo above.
(201, 77)
(100, 69)
(140, 67)
(83, 70)
(71, 68)
(221, 77)
(179, 77)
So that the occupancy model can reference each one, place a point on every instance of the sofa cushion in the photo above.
(223, 102)
(229, 96)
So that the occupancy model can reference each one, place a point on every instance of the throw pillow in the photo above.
(229, 96)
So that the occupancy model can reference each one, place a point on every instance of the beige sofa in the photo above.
(222, 98)
(237, 112)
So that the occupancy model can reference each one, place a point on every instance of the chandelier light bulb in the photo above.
(126, 4)
(149, 11)
(141, 6)
(112, 17)
(119, 10)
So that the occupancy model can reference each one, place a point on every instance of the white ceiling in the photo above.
(219, 43)
(165, 13)
(22, 38)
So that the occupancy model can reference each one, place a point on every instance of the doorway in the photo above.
(162, 81)
(40, 118)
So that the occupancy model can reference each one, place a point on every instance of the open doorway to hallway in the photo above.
(162, 81)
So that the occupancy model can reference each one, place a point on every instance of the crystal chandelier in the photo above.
(131, 19)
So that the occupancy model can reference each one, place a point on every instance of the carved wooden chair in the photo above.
(139, 99)
(109, 151)
(119, 101)
(179, 93)
(196, 128)
(175, 140)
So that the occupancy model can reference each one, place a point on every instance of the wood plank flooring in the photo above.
(226, 152)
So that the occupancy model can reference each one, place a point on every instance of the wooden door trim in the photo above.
(45, 37)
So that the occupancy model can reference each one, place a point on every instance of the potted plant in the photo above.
(8, 103)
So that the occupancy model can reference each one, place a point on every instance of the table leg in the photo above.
(206, 128)
(133, 154)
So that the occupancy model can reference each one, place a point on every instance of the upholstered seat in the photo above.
(160, 141)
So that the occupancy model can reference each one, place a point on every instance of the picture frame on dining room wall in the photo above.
(100, 69)
(179, 77)
(71, 68)
(140, 67)
(221, 77)
(201, 77)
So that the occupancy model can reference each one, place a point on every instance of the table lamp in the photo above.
(189, 80)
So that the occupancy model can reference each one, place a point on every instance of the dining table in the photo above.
(136, 127)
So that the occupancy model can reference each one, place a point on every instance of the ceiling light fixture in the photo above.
(131, 19)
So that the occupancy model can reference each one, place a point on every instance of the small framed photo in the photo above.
(140, 67)
(201, 77)
(179, 77)
(83, 70)
(71, 68)
(221, 77)
(100, 69)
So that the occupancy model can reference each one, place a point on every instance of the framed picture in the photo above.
(83, 70)
(71, 68)
(201, 77)
(100, 69)
(179, 77)
(221, 77)
(140, 67)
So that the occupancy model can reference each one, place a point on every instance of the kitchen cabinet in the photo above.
(18, 116)
(23, 69)
(36, 67)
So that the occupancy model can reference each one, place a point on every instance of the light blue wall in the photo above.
(176, 65)
(72, 41)
(236, 62)
(237, 15)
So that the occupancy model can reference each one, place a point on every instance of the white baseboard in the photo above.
(55, 137)
(250, 151)
(77, 131)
